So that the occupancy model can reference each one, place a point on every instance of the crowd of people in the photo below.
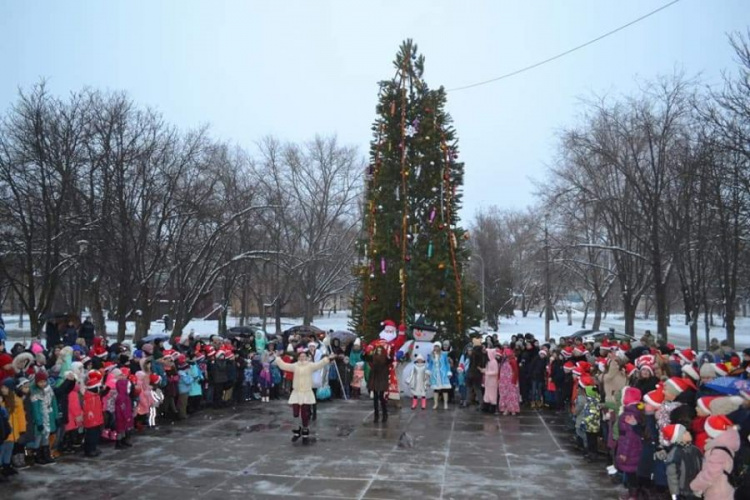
(648, 410)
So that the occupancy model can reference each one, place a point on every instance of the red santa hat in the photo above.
(221, 353)
(605, 345)
(673, 433)
(154, 379)
(98, 351)
(678, 385)
(584, 367)
(654, 398)
(721, 369)
(94, 379)
(569, 366)
(687, 355)
(630, 396)
(630, 369)
(210, 351)
(567, 352)
(586, 380)
(690, 370)
(704, 404)
(388, 322)
(716, 424)
(601, 364)
(624, 346)
(580, 350)
(646, 359)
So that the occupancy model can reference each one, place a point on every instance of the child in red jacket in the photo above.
(93, 414)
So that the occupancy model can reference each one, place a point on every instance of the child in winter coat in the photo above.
(44, 413)
(724, 441)
(358, 379)
(183, 386)
(629, 442)
(418, 380)
(13, 405)
(591, 418)
(123, 413)
(683, 460)
(93, 414)
(265, 377)
(463, 368)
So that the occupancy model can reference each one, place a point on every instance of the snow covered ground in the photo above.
(679, 333)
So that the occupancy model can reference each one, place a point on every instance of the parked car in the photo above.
(579, 333)
(597, 337)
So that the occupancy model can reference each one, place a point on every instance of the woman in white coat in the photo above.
(302, 398)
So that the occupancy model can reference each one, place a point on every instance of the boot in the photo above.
(6, 471)
(11, 470)
(436, 401)
(296, 434)
(118, 445)
(126, 441)
(39, 457)
(414, 402)
(315, 412)
(385, 411)
(445, 401)
(424, 402)
(48, 455)
(305, 435)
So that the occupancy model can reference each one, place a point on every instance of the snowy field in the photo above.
(679, 333)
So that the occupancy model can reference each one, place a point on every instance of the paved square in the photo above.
(246, 452)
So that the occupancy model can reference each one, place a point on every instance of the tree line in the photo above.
(645, 204)
(106, 206)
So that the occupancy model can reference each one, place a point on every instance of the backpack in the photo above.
(688, 466)
(740, 474)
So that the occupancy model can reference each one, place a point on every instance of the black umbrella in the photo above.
(239, 331)
(303, 330)
(154, 336)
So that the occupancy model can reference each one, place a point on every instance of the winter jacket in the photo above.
(629, 443)
(61, 393)
(477, 360)
(537, 369)
(592, 412)
(683, 464)
(87, 332)
(418, 380)
(195, 387)
(318, 376)
(17, 420)
(712, 481)
(74, 406)
(52, 334)
(186, 381)
(123, 408)
(303, 385)
(44, 409)
(380, 366)
(613, 380)
(93, 416)
(70, 336)
(218, 372)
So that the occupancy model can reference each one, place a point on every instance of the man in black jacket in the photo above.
(87, 331)
(477, 360)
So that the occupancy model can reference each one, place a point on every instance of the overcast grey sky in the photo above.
(297, 68)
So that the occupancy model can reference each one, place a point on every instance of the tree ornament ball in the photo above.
(441, 226)
(380, 207)
(466, 235)
(372, 276)
(441, 266)
(409, 236)
(434, 189)
(373, 299)
(427, 137)
(407, 258)
(432, 163)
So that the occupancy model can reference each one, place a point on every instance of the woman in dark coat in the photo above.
(378, 383)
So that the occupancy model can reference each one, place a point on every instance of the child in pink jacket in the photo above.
(718, 461)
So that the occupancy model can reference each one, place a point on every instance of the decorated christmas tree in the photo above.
(412, 250)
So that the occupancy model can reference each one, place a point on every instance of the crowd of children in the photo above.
(649, 410)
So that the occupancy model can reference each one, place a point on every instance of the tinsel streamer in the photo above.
(429, 250)
(382, 265)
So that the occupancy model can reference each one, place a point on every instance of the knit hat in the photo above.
(704, 404)
(437, 344)
(716, 424)
(40, 376)
(10, 383)
(357, 342)
(654, 398)
(725, 405)
(94, 379)
(689, 370)
(678, 385)
(630, 395)
(543, 353)
(673, 433)
(687, 355)
(646, 359)
(22, 382)
(148, 349)
(707, 370)
(629, 369)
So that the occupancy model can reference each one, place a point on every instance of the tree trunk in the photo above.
(585, 314)
(243, 306)
(309, 312)
(598, 306)
(524, 311)
(569, 312)
(694, 334)
(729, 319)
(97, 311)
(707, 323)
(629, 312)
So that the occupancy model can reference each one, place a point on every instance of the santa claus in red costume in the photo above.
(391, 339)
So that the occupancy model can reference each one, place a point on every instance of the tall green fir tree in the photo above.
(412, 249)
